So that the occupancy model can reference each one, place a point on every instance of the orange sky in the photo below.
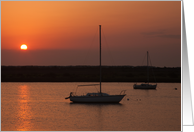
(126, 25)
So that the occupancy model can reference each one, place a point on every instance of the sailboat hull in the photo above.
(144, 86)
(97, 99)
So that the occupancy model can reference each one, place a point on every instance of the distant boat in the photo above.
(97, 97)
(145, 85)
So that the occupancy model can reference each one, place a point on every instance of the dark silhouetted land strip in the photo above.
(88, 74)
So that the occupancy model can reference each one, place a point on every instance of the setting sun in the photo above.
(23, 47)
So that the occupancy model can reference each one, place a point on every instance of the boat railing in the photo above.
(83, 86)
(73, 94)
(122, 92)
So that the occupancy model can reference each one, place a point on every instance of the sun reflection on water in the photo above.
(24, 112)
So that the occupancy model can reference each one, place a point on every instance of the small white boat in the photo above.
(145, 85)
(97, 97)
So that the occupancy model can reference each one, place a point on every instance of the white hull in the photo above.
(97, 99)
(144, 86)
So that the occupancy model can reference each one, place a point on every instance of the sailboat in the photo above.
(146, 85)
(98, 97)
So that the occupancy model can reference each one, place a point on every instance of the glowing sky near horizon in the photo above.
(129, 29)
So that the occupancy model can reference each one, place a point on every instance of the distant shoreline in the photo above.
(89, 74)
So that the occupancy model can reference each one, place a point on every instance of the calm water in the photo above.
(42, 107)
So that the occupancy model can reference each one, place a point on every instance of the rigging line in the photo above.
(97, 90)
(144, 59)
(91, 44)
(87, 85)
(141, 65)
(152, 68)
(111, 58)
(76, 90)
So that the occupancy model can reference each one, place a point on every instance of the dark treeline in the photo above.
(88, 74)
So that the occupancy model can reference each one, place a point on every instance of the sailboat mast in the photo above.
(147, 68)
(100, 53)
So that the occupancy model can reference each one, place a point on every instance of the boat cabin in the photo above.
(97, 94)
(144, 84)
